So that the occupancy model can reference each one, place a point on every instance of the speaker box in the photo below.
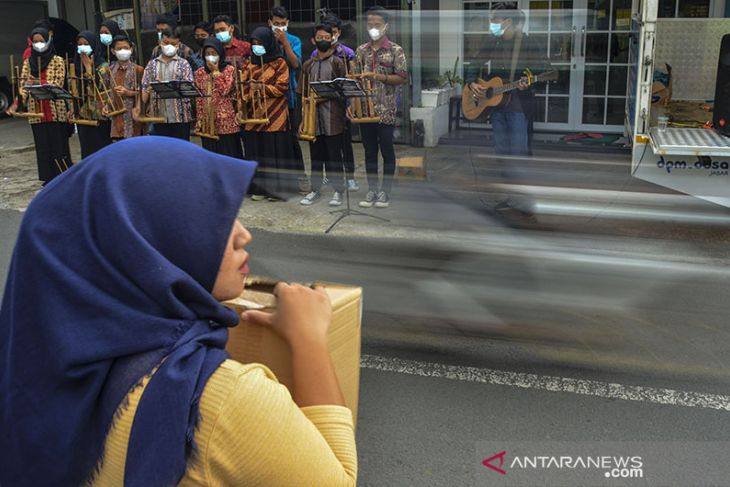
(721, 110)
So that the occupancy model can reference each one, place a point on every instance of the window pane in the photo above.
(257, 12)
(562, 85)
(593, 110)
(540, 109)
(597, 15)
(615, 115)
(560, 47)
(476, 17)
(694, 8)
(622, 14)
(595, 80)
(558, 109)
(667, 7)
(620, 48)
(596, 48)
(538, 16)
(618, 80)
(561, 15)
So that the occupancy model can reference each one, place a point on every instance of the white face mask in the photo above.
(275, 28)
(335, 39)
(123, 54)
(169, 50)
(40, 46)
(212, 59)
(376, 34)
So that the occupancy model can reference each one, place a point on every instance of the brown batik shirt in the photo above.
(389, 59)
(330, 119)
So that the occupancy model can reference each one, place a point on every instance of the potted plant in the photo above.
(452, 80)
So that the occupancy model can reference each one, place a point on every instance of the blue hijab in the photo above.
(112, 272)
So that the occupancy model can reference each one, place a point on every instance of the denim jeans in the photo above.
(510, 131)
(378, 136)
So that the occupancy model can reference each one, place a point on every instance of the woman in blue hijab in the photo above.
(112, 333)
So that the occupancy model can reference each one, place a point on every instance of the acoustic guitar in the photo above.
(496, 93)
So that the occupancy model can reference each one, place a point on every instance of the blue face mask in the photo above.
(258, 50)
(496, 29)
(224, 36)
(84, 49)
(105, 39)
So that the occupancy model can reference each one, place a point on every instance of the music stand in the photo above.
(342, 88)
(48, 92)
(166, 90)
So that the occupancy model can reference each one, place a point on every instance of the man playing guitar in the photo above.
(508, 52)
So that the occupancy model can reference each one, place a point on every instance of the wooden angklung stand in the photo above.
(308, 130)
(144, 116)
(363, 109)
(252, 106)
(18, 83)
(207, 123)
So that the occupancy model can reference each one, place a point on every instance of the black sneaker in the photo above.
(370, 198)
(383, 200)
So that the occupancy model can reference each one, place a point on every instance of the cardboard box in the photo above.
(412, 168)
(249, 343)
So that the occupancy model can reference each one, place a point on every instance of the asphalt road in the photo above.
(521, 337)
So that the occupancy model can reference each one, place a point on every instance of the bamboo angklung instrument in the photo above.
(109, 95)
(207, 123)
(144, 117)
(80, 89)
(16, 78)
(308, 130)
(364, 112)
(255, 101)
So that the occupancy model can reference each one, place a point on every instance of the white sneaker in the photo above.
(369, 200)
(258, 197)
(352, 185)
(336, 199)
(310, 198)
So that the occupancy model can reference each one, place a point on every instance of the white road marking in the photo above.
(548, 383)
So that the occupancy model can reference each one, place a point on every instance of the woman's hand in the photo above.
(12, 109)
(302, 317)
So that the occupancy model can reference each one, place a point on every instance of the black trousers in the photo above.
(176, 130)
(92, 139)
(347, 154)
(294, 120)
(51, 149)
(378, 136)
(326, 153)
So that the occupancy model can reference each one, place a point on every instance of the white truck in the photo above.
(695, 161)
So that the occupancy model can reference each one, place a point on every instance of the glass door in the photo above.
(587, 42)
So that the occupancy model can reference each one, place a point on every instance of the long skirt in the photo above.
(277, 173)
(227, 144)
(176, 130)
(92, 139)
(51, 149)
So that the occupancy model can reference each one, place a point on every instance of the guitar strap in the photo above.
(515, 54)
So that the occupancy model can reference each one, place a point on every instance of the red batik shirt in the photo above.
(223, 94)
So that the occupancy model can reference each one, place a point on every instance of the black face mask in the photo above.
(324, 46)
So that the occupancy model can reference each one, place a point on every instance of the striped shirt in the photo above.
(177, 110)
(275, 77)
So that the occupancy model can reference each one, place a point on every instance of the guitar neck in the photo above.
(515, 84)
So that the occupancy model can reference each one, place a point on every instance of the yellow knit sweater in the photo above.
(251, 433)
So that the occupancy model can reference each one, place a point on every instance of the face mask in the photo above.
(84, 49)
(169, 50)
(275, 28)
(212, 59)
(224, 37)
(375, 34)
(335, 39)
(324, 46)
(258, 50)
(105, 39)
(496, 29)
(40, 46)
(123, 54)
(159, 36)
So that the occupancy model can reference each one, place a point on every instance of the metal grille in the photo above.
(116, 4)
(191, 12)
(257, 12)
(690, 141)
(223, 7)
(345, 9)
(300, 10)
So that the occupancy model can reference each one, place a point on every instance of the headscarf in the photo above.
(115, 31)
(91, 38)
(112, 272)
(267, 39)
(218, 46)
(45, 57)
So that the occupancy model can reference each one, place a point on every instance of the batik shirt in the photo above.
(54, 74)
(388, 60)
(176, 110)
(124, 74)
(219, 105)
(330, 118)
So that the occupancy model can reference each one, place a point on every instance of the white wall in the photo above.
(451, 34)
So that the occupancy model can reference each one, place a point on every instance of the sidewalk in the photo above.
(597, 189)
